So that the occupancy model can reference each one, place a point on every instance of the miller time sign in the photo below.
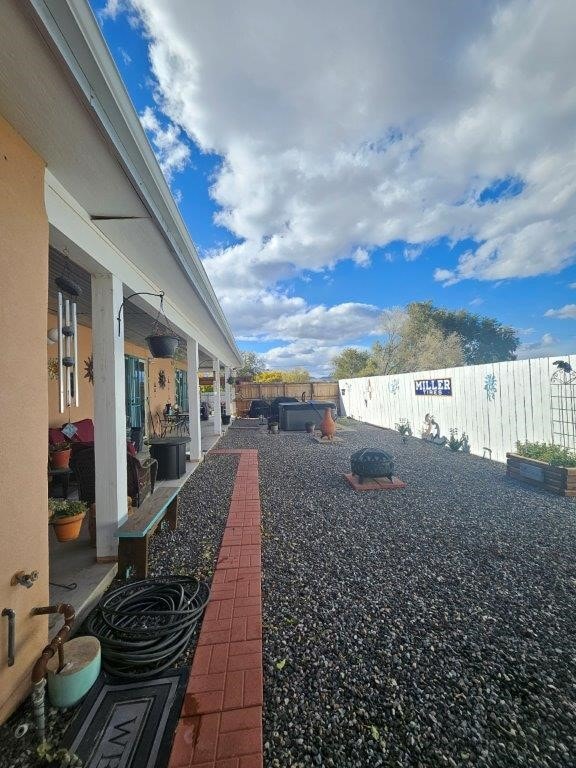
(433, 387)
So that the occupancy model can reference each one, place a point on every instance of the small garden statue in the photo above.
(431, 431)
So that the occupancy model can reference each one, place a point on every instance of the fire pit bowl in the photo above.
(372, 462)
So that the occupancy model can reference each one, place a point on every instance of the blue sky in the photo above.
(363, 174)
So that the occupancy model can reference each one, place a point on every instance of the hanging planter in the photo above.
(162, 346)
(162, 342)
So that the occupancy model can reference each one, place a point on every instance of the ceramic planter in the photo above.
(327, 426)
(60, 459)
(558, 480)
(225, 420)
(162, 346)
(309, 426)
(68, 528)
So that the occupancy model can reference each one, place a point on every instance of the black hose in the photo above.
(144, 626)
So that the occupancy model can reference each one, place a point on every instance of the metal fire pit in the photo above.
(372, 462)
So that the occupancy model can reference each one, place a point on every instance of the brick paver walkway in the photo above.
(221, 721)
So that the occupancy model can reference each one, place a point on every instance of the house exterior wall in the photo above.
(23, 407)
(495, 405)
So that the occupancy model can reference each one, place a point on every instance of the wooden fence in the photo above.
(246, 391)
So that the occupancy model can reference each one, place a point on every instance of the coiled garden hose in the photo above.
(144, 626)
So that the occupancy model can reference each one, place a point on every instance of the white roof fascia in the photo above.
(72, 31)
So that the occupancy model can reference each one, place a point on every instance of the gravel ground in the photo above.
(191, 550)
(432, 626)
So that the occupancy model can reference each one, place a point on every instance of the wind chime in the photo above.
(67, 343)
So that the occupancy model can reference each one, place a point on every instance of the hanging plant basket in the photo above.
(162, 346)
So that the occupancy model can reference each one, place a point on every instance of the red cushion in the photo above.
(55, 436)
(85, 433)
(131, 447)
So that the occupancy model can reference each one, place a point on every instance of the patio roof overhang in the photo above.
(106, 196)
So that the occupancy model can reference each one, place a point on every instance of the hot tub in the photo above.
(293, 416)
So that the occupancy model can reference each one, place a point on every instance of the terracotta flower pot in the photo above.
(327, 426)
(60, 459)
(68, 528)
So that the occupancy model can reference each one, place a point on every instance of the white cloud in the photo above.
(572, 285)
(126, 58)
(567, 312)
(316, 359)
(359, 140)
(173, 154)
(361, 257)
(476, 302)
(260, 314)
(544, 347)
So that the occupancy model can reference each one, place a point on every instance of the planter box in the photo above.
(558, 480)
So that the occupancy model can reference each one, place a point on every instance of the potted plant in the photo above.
(547, 466)
(273, 427)
(231, 380)
(60, 455)
(66, 517)
(309, 426)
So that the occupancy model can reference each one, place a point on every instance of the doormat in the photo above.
(128, 724)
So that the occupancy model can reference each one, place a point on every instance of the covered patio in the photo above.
(75, 575)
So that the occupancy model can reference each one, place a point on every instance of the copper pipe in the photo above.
(68, 612)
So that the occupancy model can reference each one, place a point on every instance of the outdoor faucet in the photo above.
(24, 579)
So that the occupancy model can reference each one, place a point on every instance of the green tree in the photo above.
(350, 362)
(483, 339)
(252, 364)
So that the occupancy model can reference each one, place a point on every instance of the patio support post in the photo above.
(217, 412)
(227, 391)
(109, 414)
(194, 401)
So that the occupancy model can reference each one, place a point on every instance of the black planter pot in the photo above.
(225, 419)
(162, 346)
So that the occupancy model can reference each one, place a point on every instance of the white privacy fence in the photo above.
(495, 404)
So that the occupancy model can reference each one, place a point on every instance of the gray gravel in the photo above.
(432, 626)
(191, 550)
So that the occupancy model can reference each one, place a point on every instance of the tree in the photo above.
(252, 364)
(350, 362)
(483, 339)
(430, 351)
(296, 375)
(268, 377)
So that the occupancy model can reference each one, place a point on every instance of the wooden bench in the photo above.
(134, 534)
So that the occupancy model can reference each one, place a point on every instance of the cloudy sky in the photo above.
(337, 157)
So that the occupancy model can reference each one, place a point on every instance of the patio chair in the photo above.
(141, 475)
